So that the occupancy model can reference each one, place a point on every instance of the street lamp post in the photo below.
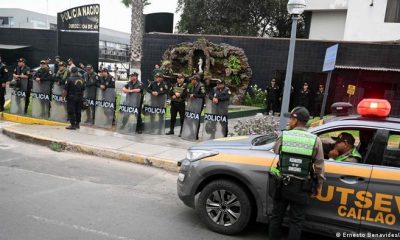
(295, 8)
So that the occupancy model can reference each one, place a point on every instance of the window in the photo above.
(391, 157)
(392, 11)
(6, 21)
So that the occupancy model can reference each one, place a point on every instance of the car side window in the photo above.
(328, 143)
(391, 156)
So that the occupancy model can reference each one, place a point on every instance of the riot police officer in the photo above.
(196, 90)
(219, 95)
(178, 95)
(23, 73)
(73, 92)
(300, 166)
(43, 74)
(62, 74)
(135, 86)
(3, 82)
(106, 80)
(56, 64)
(304, 96)
(158, 86)
(91, 81)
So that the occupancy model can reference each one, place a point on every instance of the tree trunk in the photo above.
(136, 32)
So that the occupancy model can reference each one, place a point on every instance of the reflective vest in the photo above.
(354, 153)
(297, 152)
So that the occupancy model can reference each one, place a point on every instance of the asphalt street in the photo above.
(50, 195)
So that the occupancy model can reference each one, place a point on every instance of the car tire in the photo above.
(225, 207)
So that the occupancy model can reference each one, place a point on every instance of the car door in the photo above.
(343, 191)
(381, 212)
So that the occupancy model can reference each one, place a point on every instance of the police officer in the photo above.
(304, 96)
(273, 93)
(3, 82)
(56, 63)
(73, 92)
(178, 95)
(135, 86)
(158, 87)
(43, 74)
(218, 95)
(344, 149)
(91, 82)
(319, 97)
(106, 80)
(301, 159)
(62, 74)
(196, 90)
(23, 73)
(71, 63)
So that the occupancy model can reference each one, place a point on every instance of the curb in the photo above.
(29, 120)
(94, 151)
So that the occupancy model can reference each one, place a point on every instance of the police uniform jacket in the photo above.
(74, 88)
(221, 94)
(108, 81)
(44, 74)
(3, 73)
(62, 76)
(91, 79)
(198, 91)
(319, 97)
(25, 71)
(137, 85)
(161, 88)
(182, 89)
(318, 157)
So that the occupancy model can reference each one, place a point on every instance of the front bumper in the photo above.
(187, 183)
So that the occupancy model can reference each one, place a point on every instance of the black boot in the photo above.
(71, 127)
(77, 126)
(170, 132)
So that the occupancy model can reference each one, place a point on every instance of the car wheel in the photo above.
(224, 206)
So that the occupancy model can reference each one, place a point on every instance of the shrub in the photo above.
(255, 97)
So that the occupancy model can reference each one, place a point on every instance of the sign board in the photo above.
(351, 89)
(330, 58)
(82, 18)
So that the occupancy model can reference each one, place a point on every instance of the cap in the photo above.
(220, 81)
(301, 113)
(345, 137)
(134, 74)
(21, 60)
(180, 75)
(74, 70)
(195, 77)
(62, 64)
(159, 75)
(104, 70)
(89, 66)
(70, 59)
(43, 62)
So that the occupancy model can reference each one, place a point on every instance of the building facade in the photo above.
(354, 20)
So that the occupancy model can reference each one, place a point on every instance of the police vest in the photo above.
(354, 153)
(296, 152)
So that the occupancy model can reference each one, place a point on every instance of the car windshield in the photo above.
(263, 140)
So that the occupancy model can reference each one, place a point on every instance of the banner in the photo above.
(82, 18)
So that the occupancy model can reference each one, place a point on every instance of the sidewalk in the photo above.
(162, 151)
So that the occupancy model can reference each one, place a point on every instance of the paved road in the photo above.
(49, 195)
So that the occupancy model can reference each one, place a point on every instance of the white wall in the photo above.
(326, 4)
(367, 23)
(328, 25)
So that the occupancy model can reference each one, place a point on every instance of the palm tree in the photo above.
(137, 26)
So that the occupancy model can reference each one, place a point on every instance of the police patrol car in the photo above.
(226, 180)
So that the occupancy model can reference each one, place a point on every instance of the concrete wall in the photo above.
(28, 19)
(328, 25)
(313, 5)
(366, 23)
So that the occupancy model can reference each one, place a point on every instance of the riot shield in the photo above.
(58, 110)
(215, 120)
(154, 114)
(105, 107)
(191, 124)
(40, 99)
(89, 102)
(18, 95)
(128, 113)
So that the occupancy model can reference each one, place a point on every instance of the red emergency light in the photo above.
(370, 107)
